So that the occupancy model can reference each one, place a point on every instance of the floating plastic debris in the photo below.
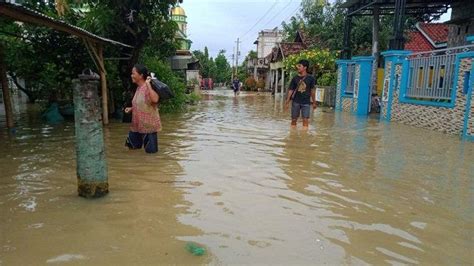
(195, 249)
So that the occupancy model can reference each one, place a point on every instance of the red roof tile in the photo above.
(307, 39)
(417, 42)
(437, 32)
(289, 48)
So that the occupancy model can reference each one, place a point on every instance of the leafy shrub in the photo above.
(327, 79)
(250, 83)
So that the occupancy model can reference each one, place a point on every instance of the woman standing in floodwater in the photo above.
(146, 121)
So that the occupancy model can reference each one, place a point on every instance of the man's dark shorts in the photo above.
(298, 109)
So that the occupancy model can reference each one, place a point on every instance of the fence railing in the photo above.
(350, 79)
(431, 74)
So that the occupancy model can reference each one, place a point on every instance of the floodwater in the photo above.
(233, 177)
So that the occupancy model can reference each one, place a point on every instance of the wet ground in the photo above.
(233, 177)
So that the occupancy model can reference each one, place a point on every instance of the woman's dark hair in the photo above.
(142, 70)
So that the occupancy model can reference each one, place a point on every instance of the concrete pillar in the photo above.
(362, 93)
(92, 177)
(341, 82)
(391, 59)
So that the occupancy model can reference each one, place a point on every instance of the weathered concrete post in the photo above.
(92, 180)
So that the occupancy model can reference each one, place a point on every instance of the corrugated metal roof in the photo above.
(27, 15)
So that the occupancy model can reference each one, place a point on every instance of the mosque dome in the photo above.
(178, 11)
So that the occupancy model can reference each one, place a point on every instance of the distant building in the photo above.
(267, 39)
(178, 15)
(183, 61)
(271, 51)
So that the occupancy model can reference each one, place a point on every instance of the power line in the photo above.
(284, 8)
(281, 10)
(292, 14)
(256, 23)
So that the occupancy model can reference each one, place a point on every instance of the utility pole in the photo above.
(237, 54)
(233, 63)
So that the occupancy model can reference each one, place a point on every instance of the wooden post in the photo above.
(276, 81)
(270, 79)
(92, 180)
(103, 85)
(6, 90)
(283, 82)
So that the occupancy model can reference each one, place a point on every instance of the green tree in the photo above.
(58, 57)
(218, 69)
(326, 23)
(205, 62)
(143, 24)
(45, 59)
(224, 70)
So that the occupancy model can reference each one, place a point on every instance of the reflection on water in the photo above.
(232, 176)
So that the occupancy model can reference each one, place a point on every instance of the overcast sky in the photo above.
(218, 23)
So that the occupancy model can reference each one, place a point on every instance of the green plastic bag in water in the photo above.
(195, 249)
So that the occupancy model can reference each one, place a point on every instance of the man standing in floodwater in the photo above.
(302, 92)
(236, 86)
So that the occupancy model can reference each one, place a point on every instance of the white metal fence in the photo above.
(350, 79)
(431, 74)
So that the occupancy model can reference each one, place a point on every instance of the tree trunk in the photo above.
(30, 94)
(6, 91)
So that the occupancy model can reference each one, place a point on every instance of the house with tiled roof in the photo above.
(269, 64)
(278, 76)
(302, 36)
(427, 37)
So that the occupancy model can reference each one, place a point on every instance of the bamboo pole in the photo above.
(103, 85)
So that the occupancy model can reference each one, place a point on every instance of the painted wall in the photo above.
(266, 41)
(358, 101)
(450, 120)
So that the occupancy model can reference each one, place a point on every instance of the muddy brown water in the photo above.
(233, 177)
